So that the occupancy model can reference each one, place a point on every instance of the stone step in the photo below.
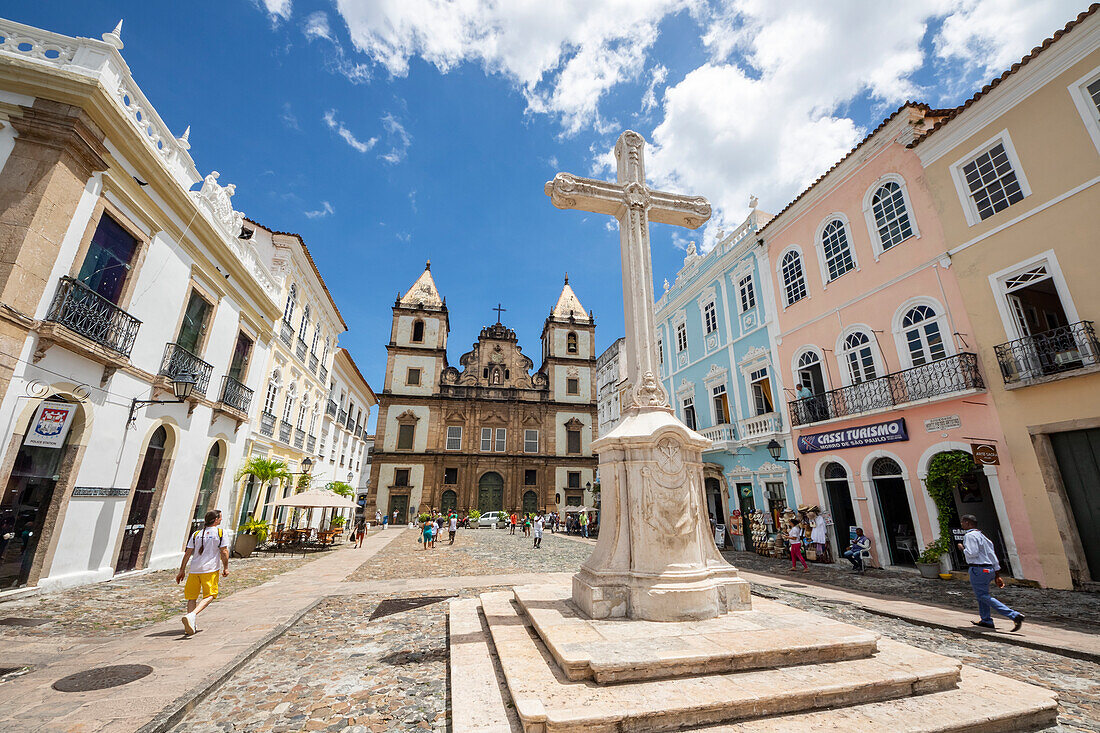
(618, 650)
(483, 705)
(547, 701)
(982, 703)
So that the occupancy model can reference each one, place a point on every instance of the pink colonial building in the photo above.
(880, 355)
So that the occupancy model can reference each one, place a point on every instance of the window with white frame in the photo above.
(530, 441)
(486, 439)
(1086, 96)
(794, 279)
(304, 328)
(301, 416)
(272, 394)
(660, 352)
(688, 407)
(291, 302)
(809, 372)
(838, 251)
(454, 437)
(710, 318)
(923, 336)
(892, 221)
(721, 404)
(747, 292)
(681, 337)
(502, 434)
(760, 385)
(991, 181)
(288, 405)
(859, 357)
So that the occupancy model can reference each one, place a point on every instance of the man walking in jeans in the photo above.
(984, 569)
(206, 550)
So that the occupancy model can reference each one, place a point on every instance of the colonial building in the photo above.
(1015, 178)
(489, 434)
(714, 336)
(133, 320)
(342, 451)
(611, 386)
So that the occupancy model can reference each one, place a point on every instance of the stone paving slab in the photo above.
(183, 667)
(483, 705)
(615, 650)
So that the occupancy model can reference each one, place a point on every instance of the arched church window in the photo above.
(571, 343)
(418, 331)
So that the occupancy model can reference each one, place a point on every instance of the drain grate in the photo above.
(397, 605)
(20, 621)
(102, 678)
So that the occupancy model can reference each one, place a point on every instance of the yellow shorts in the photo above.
(207, 582)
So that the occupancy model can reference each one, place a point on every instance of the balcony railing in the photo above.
(267, 424)
(330, 408)
(178, 361)
(313, 362)
(299, 438)
(359, 431)
(300, 349)
(350, 424)
(235, 394)
(311, 443)
(286, 333)
(284, 431)
(761, 427)
(952, 374)
(721, 437)
(323, 373)
(342, 417)
(85, 311)
(1050, 352)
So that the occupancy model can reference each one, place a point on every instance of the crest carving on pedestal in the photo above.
(649, 392)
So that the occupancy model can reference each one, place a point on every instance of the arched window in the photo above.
(859, 357)
(316, 340)
(272, 392)
(891, 216)
(211, 475)
(304, 329)
(835, 471)
(922, 335)
(809, 372)
(571, 343)
(302, 412)
(418, 331)
(794, 280)
(288, 405)
(838, 252)
(291, 302)
(885, 466)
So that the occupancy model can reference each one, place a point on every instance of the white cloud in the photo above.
(325, 210)
(277, 9)
(611, 225)
(404, 237)
(399, 138)
(657, 77)
(349, 138)
(288, 117)
(316, 26)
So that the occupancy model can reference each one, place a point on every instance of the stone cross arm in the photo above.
(567, 191)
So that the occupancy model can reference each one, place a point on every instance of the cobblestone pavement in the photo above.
(1076, 610)
(132, 602)
(475, 552)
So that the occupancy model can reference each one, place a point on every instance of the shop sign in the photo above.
(720, 536)
(985, 455)
(100, 491)
(883, 432)
(50, 425)
(939, 424)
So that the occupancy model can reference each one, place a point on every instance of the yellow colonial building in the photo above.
(1015, 172)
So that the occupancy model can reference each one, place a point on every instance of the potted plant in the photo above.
(337, 522)
(474, 516)
(929, 561)
(250, 534)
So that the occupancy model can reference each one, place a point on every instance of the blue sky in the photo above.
(393, 131)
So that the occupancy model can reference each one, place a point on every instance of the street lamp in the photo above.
(307, 463)
(775, 449)
(182, 386)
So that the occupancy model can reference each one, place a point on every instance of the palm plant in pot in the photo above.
(253, 532)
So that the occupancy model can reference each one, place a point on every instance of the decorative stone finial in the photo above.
(185, 139)
(753, 201)
(567, 278)
(428, 265)
(114, 38)
(666, 284)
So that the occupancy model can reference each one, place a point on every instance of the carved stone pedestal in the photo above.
(655, 558)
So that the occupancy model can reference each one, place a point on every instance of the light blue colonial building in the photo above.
(715, 327)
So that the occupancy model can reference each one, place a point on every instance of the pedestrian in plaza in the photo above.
(855, 551)
(538, 530)
(394, 520)
(360, 530)
(817, 533)
(526, 525)
(984, 569)
(426, 533)
(584, 524)
(512, 526)
(206, 550)
(378, 518)
(385, 521)
(794, 536)
(452, 528)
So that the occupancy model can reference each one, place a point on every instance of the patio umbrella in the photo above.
(316, 499)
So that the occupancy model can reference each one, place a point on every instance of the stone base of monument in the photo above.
(771, 668)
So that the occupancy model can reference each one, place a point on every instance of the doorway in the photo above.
(893, 503)
(972, 496)
(838, 492)
(530, 502)
(1078, 455)
(399, 503)
(490, 493)
(448, 502)
(748, 506)
(207, 486)
(715, 505)
(134, 531)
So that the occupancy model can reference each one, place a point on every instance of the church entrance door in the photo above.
(490, 493)
(449, 502)
(530, 502)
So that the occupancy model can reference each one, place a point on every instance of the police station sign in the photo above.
(50, 425)
(883, 432)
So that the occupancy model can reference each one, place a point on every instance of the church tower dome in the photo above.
(418, 338)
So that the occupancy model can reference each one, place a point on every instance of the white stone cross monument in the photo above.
(655, 558)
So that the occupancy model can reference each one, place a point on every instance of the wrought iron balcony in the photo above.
(299, 438)
(267, 424)
(284, 431)
(85, 311)
(350, 424)
(311, 443)
(330, 408)
(760, 428)
(235, 394)
(342, 417)
(179, 361)
(1048, 353)
(286, 333)
(313, 362)
(721, 437)
(951, 374)
(300, 349)
(323, 373)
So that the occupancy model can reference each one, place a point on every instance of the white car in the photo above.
(488, 519)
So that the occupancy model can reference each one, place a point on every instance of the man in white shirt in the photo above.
(984, 569)
(538, 525)
(452, 527)
(206, 550)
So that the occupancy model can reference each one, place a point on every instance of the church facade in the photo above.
(488, 434)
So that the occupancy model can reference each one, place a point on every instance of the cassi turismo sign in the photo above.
(883, 432)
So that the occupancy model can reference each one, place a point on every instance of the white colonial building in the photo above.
(611, 386)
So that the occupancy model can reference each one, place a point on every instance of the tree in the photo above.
(341, 488)
(263, 471)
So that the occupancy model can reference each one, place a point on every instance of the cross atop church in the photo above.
(499, 310)
(634, 204)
